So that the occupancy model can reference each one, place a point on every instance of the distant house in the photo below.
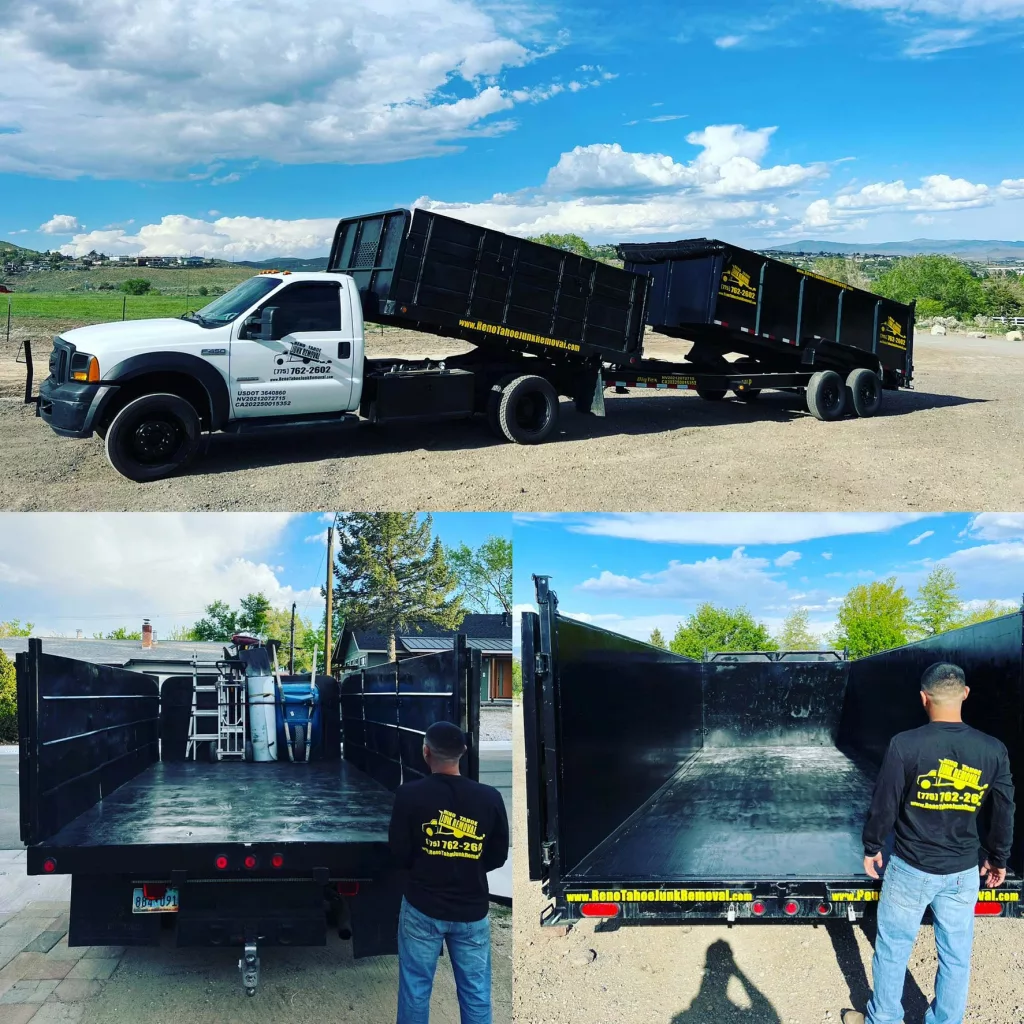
(5, 290)
(491, 635)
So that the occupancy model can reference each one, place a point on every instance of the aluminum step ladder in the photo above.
(230, 734)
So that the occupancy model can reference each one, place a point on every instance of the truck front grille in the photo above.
(60, 360)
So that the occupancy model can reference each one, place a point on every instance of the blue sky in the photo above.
(632, 573)
(245, 128)
(114, 569)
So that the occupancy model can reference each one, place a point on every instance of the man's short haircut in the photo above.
(943, 681)
(446, 740)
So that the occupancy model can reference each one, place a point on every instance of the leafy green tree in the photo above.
(121, 633)
(953, 289)
(570, 243)
(657, 640)
(391, 573)
(220, 623)
(182, 633)
(937, 606)
(839, 268)
(517, 678)
(1003, 297)
(721, 629)
(15, 627)
(252, 615)
(984, 612)
(8, 701)
(873, 617)
(485, 575)
(136, 286)
(202, 290)
(795, 634)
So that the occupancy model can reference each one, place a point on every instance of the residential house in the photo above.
(491, 635)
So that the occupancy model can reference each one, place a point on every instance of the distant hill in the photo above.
(9, 248)
(286, 263)
(977, 249)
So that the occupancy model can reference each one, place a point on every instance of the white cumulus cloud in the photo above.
(788, 558)
(60, 224)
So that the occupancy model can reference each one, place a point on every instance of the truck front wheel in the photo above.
(826, 395)
(529, 410)
(153, 437)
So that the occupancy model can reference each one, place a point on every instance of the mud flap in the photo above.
(374, 914)
(101, 914)
(589, 392)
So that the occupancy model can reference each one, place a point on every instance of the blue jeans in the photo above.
(906, 892)
(419, 946)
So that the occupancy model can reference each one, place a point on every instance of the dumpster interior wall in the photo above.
(674, 770)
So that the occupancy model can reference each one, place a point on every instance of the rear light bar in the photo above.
(250, 861)
(599, 909)
(277, 861)
(792, 908)
(758, 907)
(222, 863)
(824, 908)
(49, 865)
(985, 909)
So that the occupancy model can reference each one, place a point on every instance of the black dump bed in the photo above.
(434, 273)
(105, 786)
(647, 769)
(712, 292)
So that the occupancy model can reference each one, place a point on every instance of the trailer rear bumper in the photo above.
(762, 901)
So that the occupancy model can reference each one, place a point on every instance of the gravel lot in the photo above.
(954, 443)
(712, 974)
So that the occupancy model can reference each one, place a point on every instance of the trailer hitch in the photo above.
(249, 968)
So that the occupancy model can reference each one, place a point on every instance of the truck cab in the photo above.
(281, 344)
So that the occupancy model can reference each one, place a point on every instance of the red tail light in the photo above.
(153, 892)
(599, 909)
(824, 908)
(758, 907)
(348, 888)
(221, 862)
(277, 860)
(985, 909)
(250, 861)
(792, 907)
(49, 865)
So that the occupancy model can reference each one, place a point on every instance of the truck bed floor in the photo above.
(189, 802)
(739, 813)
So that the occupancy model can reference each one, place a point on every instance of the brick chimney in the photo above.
(147, 633)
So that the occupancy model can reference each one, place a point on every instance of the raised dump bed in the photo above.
(660, 787)
(725, 298)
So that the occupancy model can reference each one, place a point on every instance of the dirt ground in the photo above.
(713, 974)
(955, 442)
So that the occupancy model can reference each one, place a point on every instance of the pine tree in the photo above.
(657, 640)
(390, 574)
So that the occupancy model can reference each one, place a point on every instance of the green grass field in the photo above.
(164, 279)
(95, 307)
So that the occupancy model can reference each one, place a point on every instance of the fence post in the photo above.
(124, 307)
(8, 318)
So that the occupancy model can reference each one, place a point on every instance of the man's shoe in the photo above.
(853, 1017)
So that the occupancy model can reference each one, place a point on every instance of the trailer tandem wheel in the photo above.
(748, 394)
(528, 411)
(865, 391)
(711, 394)
(826, 395)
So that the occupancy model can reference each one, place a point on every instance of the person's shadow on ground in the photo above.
(712, 1003)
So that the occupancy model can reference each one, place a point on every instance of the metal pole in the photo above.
(8, 318)
(328, 646)
(124, 307)
(291, 646)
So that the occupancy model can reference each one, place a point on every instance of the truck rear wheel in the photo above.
(529, 410)
(713, 395)
(865, 391)
(494, 404)
(748, 394)
(153, 437)
(826, 395)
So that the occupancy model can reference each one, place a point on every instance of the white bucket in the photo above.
(262, 717)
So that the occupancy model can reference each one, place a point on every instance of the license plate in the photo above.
(167, 904)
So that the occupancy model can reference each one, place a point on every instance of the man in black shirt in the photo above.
(933, 782)
(448, 832)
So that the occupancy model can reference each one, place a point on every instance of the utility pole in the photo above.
(328, 646)
(291, 645)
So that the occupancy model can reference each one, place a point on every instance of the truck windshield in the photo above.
(234, 303)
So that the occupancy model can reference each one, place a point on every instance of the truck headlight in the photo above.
(85, 368)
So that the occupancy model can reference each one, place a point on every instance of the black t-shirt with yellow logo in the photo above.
(448, 831)
(933, 784)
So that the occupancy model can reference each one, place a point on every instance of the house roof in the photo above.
(424, 636)
(118, 652)
(429, 644)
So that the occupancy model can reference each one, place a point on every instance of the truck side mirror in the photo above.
(267, 315)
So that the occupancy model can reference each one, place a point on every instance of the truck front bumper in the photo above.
(72, 409)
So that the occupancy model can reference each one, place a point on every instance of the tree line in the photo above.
(872, 617)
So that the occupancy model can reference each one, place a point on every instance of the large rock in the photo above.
(1014, 336)
(976, 334)
(938, 329)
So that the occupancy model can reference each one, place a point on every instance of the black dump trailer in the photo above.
(548, 322)
(231, 853)
(660, 788)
